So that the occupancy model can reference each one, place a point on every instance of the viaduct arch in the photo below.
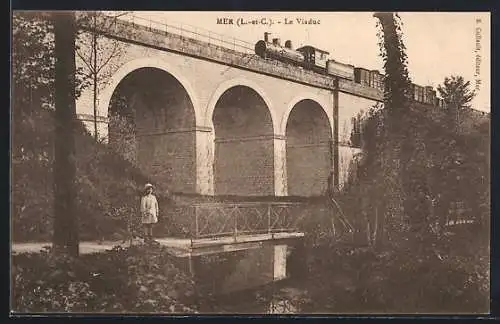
(284, 92)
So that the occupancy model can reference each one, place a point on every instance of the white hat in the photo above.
(148, 185)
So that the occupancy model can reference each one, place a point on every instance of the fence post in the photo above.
(235, 233)
(269, 218)
(195, 222)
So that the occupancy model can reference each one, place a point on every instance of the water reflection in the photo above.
(276, 298)
(283, 306)
(286, 301)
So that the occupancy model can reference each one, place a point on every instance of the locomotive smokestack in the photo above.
(288, 44)
(266, 37)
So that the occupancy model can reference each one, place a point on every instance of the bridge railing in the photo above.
(210, 220)
(189, 31)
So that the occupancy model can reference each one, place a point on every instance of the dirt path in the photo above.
(85, 247)
(90, 247)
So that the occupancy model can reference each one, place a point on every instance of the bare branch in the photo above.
(112, 55)
(86, 62)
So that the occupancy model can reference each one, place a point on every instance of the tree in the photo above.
(395, 142)
(33, 72)
(65, 223)
(355, 139)
(397, 84)
(32, 81)
(456, 93)
(457, 96)
(97, 53)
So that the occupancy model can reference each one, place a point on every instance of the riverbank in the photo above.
(451, 278)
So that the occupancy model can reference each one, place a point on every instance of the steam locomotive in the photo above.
(315, 59)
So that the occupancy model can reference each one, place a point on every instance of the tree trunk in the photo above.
(396, 105)
(96, 134)
(65, 237)
(94, 76)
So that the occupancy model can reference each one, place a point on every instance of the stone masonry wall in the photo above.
(206, 71)
(244, 167)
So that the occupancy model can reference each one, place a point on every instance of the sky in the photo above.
(438, 44)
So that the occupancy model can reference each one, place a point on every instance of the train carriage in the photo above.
(339, 69)
(430, 95)
(362, 76)
(314, 58)
(440, 103)
(377, 80)
(425, 96)
(418, 93)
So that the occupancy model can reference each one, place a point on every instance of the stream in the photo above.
(284, 297)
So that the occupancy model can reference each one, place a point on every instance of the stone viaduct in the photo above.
(215, 121)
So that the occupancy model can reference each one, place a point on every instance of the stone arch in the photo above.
(152, 123)
(147, 62)
(308, 96)
(226, 85)
(309, 149)
(243, 143)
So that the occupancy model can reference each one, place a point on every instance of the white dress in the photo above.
(149, 209)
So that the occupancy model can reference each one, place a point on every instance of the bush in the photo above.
(409, 268)
(450, 276)
(136, 279)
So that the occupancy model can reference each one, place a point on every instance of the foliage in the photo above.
(414, 260)
(457, 96)
(442, 168)
(394, 140)
(122, 136)
(108, 189)
(420, 155)
(397, 84)
(33, 63)
(453, 277)
(32, 84)
(136, 279)
(355, 138)
(456, 92)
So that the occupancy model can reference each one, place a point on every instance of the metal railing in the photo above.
(189, 31)
(232, 219)
(220, 219)
(243, 51)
